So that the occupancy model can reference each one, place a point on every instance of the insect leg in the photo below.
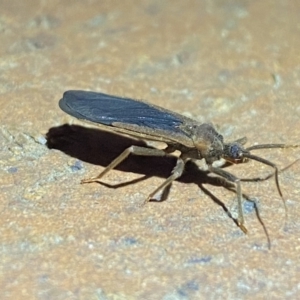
(256, 179)
(132, 149)
(236, 181)
(176, 173)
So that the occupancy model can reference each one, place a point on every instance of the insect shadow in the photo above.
(101, 147)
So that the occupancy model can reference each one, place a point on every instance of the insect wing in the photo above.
(111, 110)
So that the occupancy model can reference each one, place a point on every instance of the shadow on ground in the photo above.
(100, 148)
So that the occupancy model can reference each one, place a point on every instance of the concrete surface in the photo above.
(233, 63)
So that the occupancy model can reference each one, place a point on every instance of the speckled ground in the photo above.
(234, 63)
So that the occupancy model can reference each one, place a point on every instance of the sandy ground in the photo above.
(233, 63)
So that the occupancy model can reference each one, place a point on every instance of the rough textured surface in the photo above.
(234, 63)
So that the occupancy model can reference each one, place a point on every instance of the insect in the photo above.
(143, 120)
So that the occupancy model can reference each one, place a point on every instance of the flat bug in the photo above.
(143, 120)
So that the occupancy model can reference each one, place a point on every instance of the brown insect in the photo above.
(195, 141)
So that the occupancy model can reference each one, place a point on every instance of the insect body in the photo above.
(146, 121)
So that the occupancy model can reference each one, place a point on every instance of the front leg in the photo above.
(231, 178)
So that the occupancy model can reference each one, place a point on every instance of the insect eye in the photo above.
(235, 151)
